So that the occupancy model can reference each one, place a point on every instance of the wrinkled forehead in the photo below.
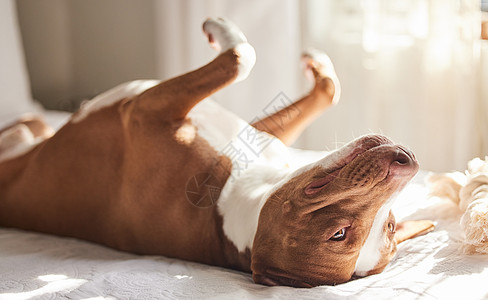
(305, 160)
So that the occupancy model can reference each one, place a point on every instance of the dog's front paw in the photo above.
(319, 68)
(223, 35)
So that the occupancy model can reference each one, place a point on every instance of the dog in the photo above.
(156, 168)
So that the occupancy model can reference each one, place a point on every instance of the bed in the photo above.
(428, 267)
(38, 266)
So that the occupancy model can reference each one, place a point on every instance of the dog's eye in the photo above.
(391, 227)
(339, 235)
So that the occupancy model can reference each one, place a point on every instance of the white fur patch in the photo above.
(226, 35)
(112, 96)
(241, 202)
(370, 253)
(326, 67)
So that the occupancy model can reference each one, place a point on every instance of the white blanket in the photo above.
(40, 266)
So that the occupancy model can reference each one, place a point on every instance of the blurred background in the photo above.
(416, 71)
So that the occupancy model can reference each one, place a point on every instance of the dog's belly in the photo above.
(81, 185)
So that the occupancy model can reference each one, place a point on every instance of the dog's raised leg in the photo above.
(288, 123)
(176, 97)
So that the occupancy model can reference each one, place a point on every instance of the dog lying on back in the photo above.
(156, 168)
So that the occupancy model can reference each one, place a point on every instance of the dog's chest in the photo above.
(231, 136)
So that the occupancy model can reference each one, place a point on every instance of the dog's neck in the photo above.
(241, 201)
(242, 198)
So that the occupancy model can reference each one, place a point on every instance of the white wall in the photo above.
(77, 49)
(45, 28)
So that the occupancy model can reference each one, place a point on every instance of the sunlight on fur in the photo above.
(185, 134)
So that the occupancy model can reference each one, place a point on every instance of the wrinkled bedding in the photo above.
(40, 266)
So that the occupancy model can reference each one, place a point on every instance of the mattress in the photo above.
(38, 266)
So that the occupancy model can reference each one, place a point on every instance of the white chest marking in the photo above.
(370, 253)
(240, 204)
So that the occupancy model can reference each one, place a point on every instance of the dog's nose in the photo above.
(402, 158)
(403, 163)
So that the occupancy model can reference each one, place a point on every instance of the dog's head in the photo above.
(331, 220)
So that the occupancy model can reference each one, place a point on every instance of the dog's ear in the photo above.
(410, 229)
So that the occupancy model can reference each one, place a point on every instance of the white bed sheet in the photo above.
(37, 266)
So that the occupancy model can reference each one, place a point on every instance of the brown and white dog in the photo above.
(152, 168)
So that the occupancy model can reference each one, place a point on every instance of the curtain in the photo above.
(409, 69)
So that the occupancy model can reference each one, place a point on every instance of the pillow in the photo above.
(15, 96)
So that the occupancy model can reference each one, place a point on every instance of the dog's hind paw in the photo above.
(319, 68)
(223, 35)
